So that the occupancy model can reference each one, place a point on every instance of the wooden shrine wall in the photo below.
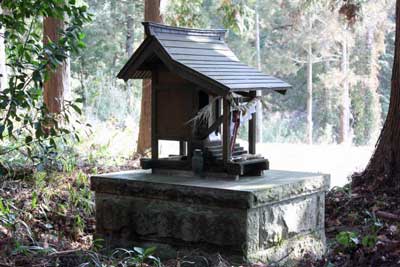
(177, 103)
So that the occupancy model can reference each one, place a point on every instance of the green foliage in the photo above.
(285, 33)
(190, 14)
(350, 240)
(369, 241)
(7, 216)
(237, 15)
(25, 121)
(136, 257)
(94, 72)
(81, 196)
(347, 239)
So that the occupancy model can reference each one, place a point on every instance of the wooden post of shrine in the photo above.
(226, 137)
(253, 130)
(154, 136)
(182, 148)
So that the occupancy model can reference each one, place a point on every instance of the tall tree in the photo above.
(376, 24)
(152, 12)
(3, 70)
(130, 31)
(57, 85)
(383, 170)
(309, 106)
(345, 113)
(312, 40)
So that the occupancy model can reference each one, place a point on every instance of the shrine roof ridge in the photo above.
(152, 28)
(199, 56)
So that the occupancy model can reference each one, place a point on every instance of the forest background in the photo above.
(340, 73)
(337, 56)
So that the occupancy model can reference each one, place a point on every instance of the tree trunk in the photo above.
(3, 69)
(259, 117)
(151, 13)
(383, 170)
(309, 94)
(344, 129)
(373, 40)
(129, 45)
(130, 34)
(58, 84)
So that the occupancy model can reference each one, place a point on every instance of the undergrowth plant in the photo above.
(350, 240)
(25, 122)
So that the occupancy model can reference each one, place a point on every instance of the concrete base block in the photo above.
(258, 218)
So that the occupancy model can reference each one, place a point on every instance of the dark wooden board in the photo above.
(252, 130)
(174, 107)
(146, 164)
(226, 136)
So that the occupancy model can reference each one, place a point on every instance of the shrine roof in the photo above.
(200, 56)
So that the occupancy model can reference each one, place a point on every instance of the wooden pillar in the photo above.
(252, 131)
(154, 135)
(226, 151)
(217, 115)
(182, 148)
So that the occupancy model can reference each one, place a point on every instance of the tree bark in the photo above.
(57, 86)
(130, 34)
(151, 13)
(344, 129)
(3, 69)
(383, 170)
(129, 45)
(374, 40)
(309, 94)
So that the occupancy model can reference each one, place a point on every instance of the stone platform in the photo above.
(260, 218)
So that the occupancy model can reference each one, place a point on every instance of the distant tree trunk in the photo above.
(383, 170)
(130, 34)
(151, 13)
(373, 42)
(58, 84)
(259, 118)
(3, 69)
(344, 129)
(129, 45)
(309, 94)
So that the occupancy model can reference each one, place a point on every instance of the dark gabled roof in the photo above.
(201, 56)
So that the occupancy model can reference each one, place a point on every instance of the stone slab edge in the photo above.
(241, 199)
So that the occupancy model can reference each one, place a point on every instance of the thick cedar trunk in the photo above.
(151, 13)
(58, 84)
(3, 70)
(344, 129)
(383, 170)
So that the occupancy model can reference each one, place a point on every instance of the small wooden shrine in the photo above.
(201, 94)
